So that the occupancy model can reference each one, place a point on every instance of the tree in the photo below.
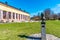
(47, 13)
(58, 16)
(51, 15)
(6, 2)
(55, 16)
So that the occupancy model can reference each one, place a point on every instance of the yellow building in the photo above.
(11, 14)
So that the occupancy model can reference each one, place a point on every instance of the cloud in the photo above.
(58, 5)
(56, 9)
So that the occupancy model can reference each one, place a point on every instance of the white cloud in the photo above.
(56, 9)
(58, 5)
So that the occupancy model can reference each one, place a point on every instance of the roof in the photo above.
(14, 7)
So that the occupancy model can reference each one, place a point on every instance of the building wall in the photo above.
(22, 16)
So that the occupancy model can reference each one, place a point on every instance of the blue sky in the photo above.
(35, 6)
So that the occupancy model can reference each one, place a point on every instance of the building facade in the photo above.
(11, 14)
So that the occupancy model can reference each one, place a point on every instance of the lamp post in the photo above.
(43, 33)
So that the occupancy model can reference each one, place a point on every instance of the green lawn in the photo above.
(10, 31)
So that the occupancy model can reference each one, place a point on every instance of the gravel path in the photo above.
(48, 37)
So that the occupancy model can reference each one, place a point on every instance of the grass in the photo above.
(53, 27)
(10, 31)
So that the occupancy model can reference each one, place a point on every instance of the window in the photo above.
(13, 15)
(23, 17)
(9, 13)
(19, 16)
(16, 16)
(4, 14)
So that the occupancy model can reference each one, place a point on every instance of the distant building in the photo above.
(12, 14)
(36, 18)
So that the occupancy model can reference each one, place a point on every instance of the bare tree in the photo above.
(47, 13)
(55, 16)
(58, 16)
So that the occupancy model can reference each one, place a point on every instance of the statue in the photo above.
(43, 33)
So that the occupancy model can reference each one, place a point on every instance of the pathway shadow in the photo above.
(29, 37)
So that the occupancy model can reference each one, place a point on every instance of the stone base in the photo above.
(48, 37)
